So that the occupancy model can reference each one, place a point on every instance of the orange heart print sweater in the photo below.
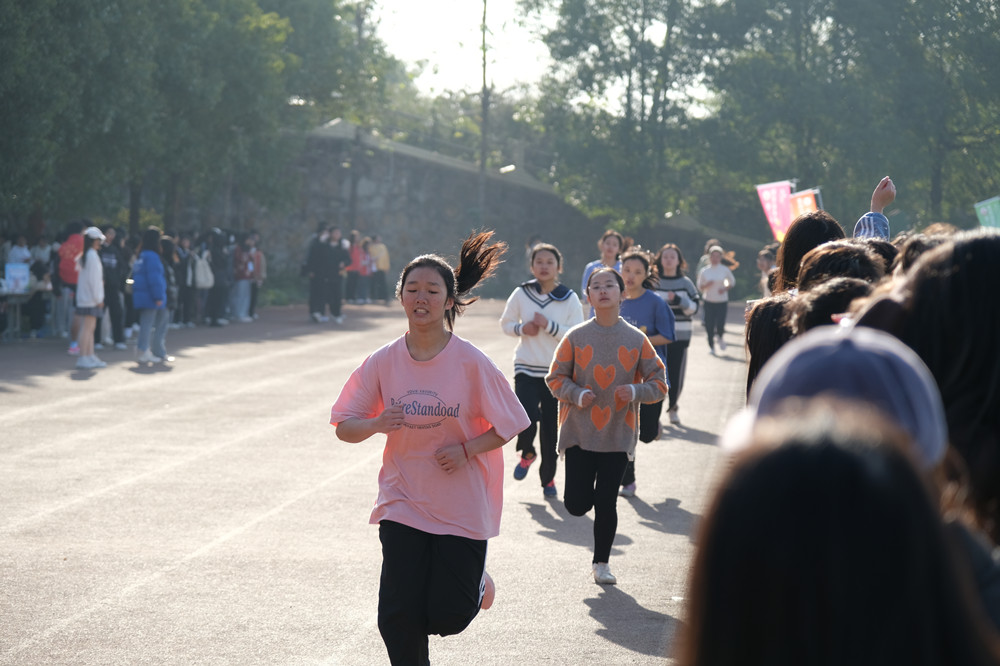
(602, 358)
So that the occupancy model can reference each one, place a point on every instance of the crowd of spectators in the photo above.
(859, 519)
(210, 279)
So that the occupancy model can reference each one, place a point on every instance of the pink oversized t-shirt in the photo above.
(457, 395)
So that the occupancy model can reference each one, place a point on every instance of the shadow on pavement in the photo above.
(666, 516)
(628, 624)
(692, 435)
(20, 360)
(559, 525)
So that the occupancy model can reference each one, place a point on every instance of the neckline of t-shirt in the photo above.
(406, 349)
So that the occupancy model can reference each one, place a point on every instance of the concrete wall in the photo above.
(418, 204)
(421, 202)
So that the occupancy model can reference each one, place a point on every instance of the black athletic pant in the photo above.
(317, 295)
(715, 320)
(254, 291)
(592, 481)
(431, 584)
(543, 409)
(649, 427)
(676, 365)
(334, 295)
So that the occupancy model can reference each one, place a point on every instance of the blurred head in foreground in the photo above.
(823, 546)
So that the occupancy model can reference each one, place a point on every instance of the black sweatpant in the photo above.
(676, 365)
(715, 320)
(317, 295)
(592, 481)
(542, 408)
(431, 584)
(334, 294)
(649, 427)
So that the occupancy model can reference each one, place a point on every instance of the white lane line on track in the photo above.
(58, 626)
(187, 373)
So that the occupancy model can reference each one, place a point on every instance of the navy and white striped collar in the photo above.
(534, 290)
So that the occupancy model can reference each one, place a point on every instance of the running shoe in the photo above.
(488, 591)
(521, 470)
(627, 491)
(603, 575)
(549, 489)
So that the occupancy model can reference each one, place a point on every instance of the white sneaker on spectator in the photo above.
(316, 317)
(339, 319)
(121, 346)
(108, 342)
(84, 363)
(96, 362)
(245, 320)
(148, 357)
(98, 346)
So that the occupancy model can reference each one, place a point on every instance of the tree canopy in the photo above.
(651, 106)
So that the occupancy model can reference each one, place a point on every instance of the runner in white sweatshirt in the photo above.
(539, 313)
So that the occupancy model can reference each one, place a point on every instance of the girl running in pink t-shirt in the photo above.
(445, 410)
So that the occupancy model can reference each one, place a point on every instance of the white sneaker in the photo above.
(148, 357)
(84, 363)
(674, 418)
(108, 342)
(627, 491)
(96, 362)
(603, 575)
(339, 319)
(722, 344)
(121, 346)
(245, 320)
(316, 317)
(98, 346)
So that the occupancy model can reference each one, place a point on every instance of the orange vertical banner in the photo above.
(803, 202)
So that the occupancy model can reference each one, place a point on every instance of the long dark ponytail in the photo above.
(478, 261)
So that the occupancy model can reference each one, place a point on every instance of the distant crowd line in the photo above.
(139, 287)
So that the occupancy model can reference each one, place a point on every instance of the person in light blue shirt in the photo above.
(645, 310)
(611, 245)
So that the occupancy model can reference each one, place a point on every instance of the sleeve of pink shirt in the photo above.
(360, 398)
(499, 405)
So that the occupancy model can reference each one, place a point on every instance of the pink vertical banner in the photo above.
(803, 202)
(775, 199)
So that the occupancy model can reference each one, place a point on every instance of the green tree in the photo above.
(623, 72)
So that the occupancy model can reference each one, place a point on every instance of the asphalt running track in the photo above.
(204, 513)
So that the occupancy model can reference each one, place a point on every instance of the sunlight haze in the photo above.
(446, 35)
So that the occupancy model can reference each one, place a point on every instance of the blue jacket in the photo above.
(149, 282)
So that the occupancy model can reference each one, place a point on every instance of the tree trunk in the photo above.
(134, 205)
(170, 209)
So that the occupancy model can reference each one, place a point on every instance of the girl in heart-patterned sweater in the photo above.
(601, 371)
